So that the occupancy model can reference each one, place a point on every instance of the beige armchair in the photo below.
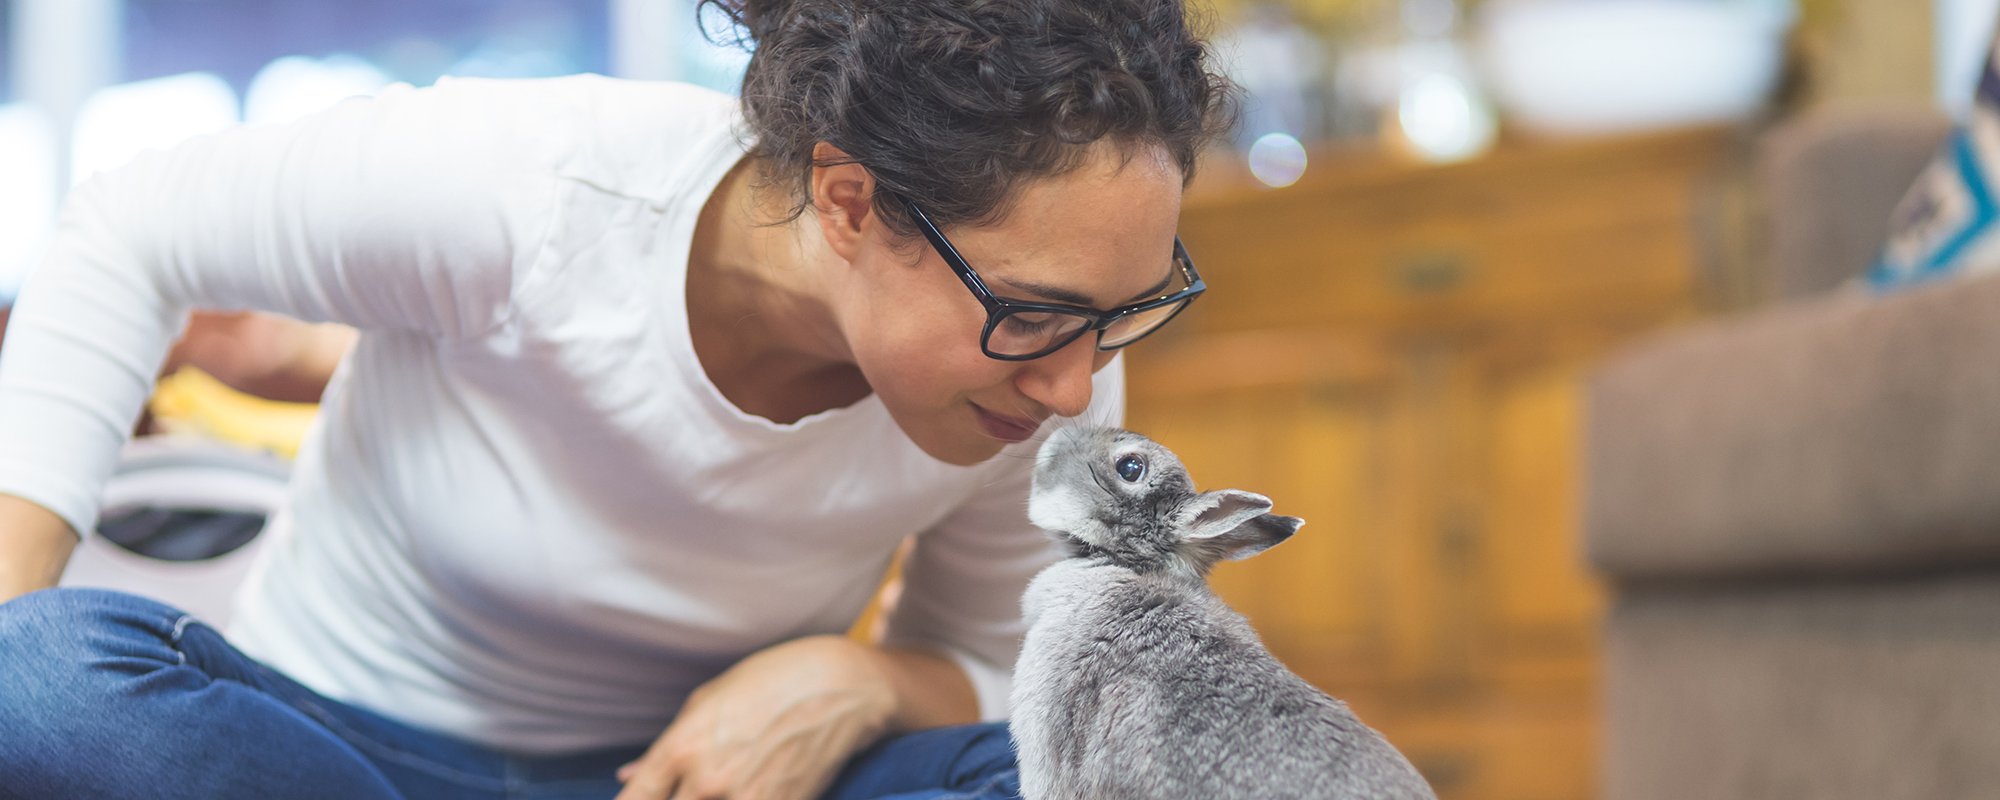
(1800, 509)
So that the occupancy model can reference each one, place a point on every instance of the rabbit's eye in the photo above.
(1131, 468)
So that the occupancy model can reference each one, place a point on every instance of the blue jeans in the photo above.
(107, 695)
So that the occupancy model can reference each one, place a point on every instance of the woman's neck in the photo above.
(757, 310)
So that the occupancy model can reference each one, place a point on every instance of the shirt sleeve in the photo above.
(963, 582)
(414, 211)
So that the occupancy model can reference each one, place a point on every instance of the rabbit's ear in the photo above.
(1232, 524)
(1211, 514)
(1256, 536)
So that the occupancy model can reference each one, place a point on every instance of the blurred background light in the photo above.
(120, 122)
(1443, 120)
(27, 192)
(1277, 159)
(297, 86)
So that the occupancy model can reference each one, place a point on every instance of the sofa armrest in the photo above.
(1844, 435)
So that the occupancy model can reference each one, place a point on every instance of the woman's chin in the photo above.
(956, 436)
(961, 446)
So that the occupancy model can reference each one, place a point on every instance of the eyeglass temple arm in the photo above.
(952, 258)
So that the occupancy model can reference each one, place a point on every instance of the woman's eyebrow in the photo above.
(1076, 298)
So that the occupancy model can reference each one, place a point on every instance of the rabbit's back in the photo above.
(1137, 686)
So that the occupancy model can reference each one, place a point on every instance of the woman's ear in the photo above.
(843, 195)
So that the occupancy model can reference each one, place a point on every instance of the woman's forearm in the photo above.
(931, 690)
(34, 547)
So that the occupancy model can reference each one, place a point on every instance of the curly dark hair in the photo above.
(953, 104)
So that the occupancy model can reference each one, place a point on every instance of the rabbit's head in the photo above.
(1114, 494)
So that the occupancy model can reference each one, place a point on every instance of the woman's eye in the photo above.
(1029, 324)
(1131, 468)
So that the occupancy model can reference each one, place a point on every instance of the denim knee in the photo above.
(71, 626)
(67, 649)
(109, 695)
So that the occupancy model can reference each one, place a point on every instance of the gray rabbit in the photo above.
(1136, 681)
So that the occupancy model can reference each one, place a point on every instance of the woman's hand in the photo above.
(781, 723)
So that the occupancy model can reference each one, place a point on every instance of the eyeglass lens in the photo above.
(1030, 333)
(1131, 328)
(1026, 333)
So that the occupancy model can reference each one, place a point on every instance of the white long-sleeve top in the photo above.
(525, 516)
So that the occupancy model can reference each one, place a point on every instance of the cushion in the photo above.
(1948, 224)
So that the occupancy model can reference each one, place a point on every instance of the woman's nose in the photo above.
(1061, 380)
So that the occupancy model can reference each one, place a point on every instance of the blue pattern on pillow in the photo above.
(1946, 224)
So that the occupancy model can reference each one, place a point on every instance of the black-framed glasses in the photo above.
(1021, 330)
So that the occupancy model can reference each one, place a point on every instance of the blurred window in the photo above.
(712, 51)
(192, 67)
(415, 42)
(297, 86)
(27, 192)
(119, 122)
(1963, 37)
(665, 40)
(6, 52)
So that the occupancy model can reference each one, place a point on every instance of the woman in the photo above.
(647, 391)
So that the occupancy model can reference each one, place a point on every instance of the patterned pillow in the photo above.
(1949, 222)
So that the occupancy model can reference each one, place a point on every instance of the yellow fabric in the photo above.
(192, 402)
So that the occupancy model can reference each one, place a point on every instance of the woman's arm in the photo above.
(265, 355)
(780, 724)
(34, 546)
(931, 690)
(412, 212)
(268, 356)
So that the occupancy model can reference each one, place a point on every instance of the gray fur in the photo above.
(1136, 681)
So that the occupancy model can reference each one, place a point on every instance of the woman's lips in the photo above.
(1004, 428)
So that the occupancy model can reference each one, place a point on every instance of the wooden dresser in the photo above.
(1396, 353)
